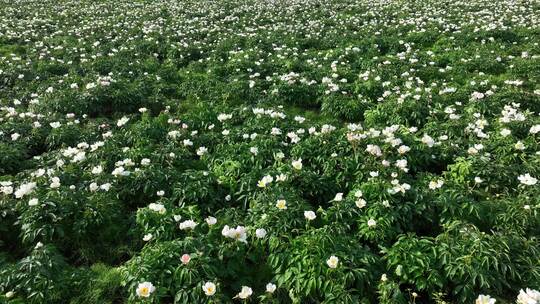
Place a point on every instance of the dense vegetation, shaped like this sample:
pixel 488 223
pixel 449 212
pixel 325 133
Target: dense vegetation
pixel 272 151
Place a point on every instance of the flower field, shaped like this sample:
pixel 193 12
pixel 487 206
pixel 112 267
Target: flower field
pixel 270 151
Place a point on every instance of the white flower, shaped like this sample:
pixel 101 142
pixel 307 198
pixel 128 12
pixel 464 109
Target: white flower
pixel 402 164
pixel 55 125
pixel 33 202
pixel 360 203
pixel 371 223
pixel 202 151
pixel 147 237
pixel 105 187
pixel 403 149
pixel 505 132
pixel 338 197
pixel 528 296
pixel 25 189
pixel 6 190
pixel 436 184
pixel 211 220
pixel 299 119
pixel 267 179
pixel 519 146
pixel 189 224
pixel 145 289
pixel 145 161
pixel 472 151
pixel 122 121
pixel 245 292
pixel 281 204
pixel 374 150
pixel 534 129
pixel 238 233
pixel 281 177
pixel 260 233
pixel 55 182
pixel 332 262
pixel 254 150
pixel 209 288
pixel 310 215
pixel 97 169
pixel 297 164
pixel 9 294
pixel 159 208
pixel 428 140
pixel 270 287
pixel 222 117
pixel 482 299
pixel 15 136
pixel 527 179
pixel 143 110
pixel 478 180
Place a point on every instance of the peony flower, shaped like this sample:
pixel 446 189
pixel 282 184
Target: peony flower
pixel 33 202
pixel 534 129
pixel 310 215
pixel 297 164
pixel 332 262
pixel 159 208
pixel 270 287
pixel 426 139
pixel 145 289
pixel 202 151
pixel 211 220
pixel 122 121
pixel 527 179
pixel 436 184
pixel 185 258
pixel 238 233
pixel 371 223
pixel 209 288
pixel 245 292
pixel 482 299
pixel 360 203
pixel 147 237
pixel 189 224
pixel 528 296
pixel 267 179
pixel 97 170
pixel 281 204
pixel 260 233
pixel 25 189
pixel 338 197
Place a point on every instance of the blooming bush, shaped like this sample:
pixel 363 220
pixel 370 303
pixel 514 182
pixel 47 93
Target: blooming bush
pixel 270 151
